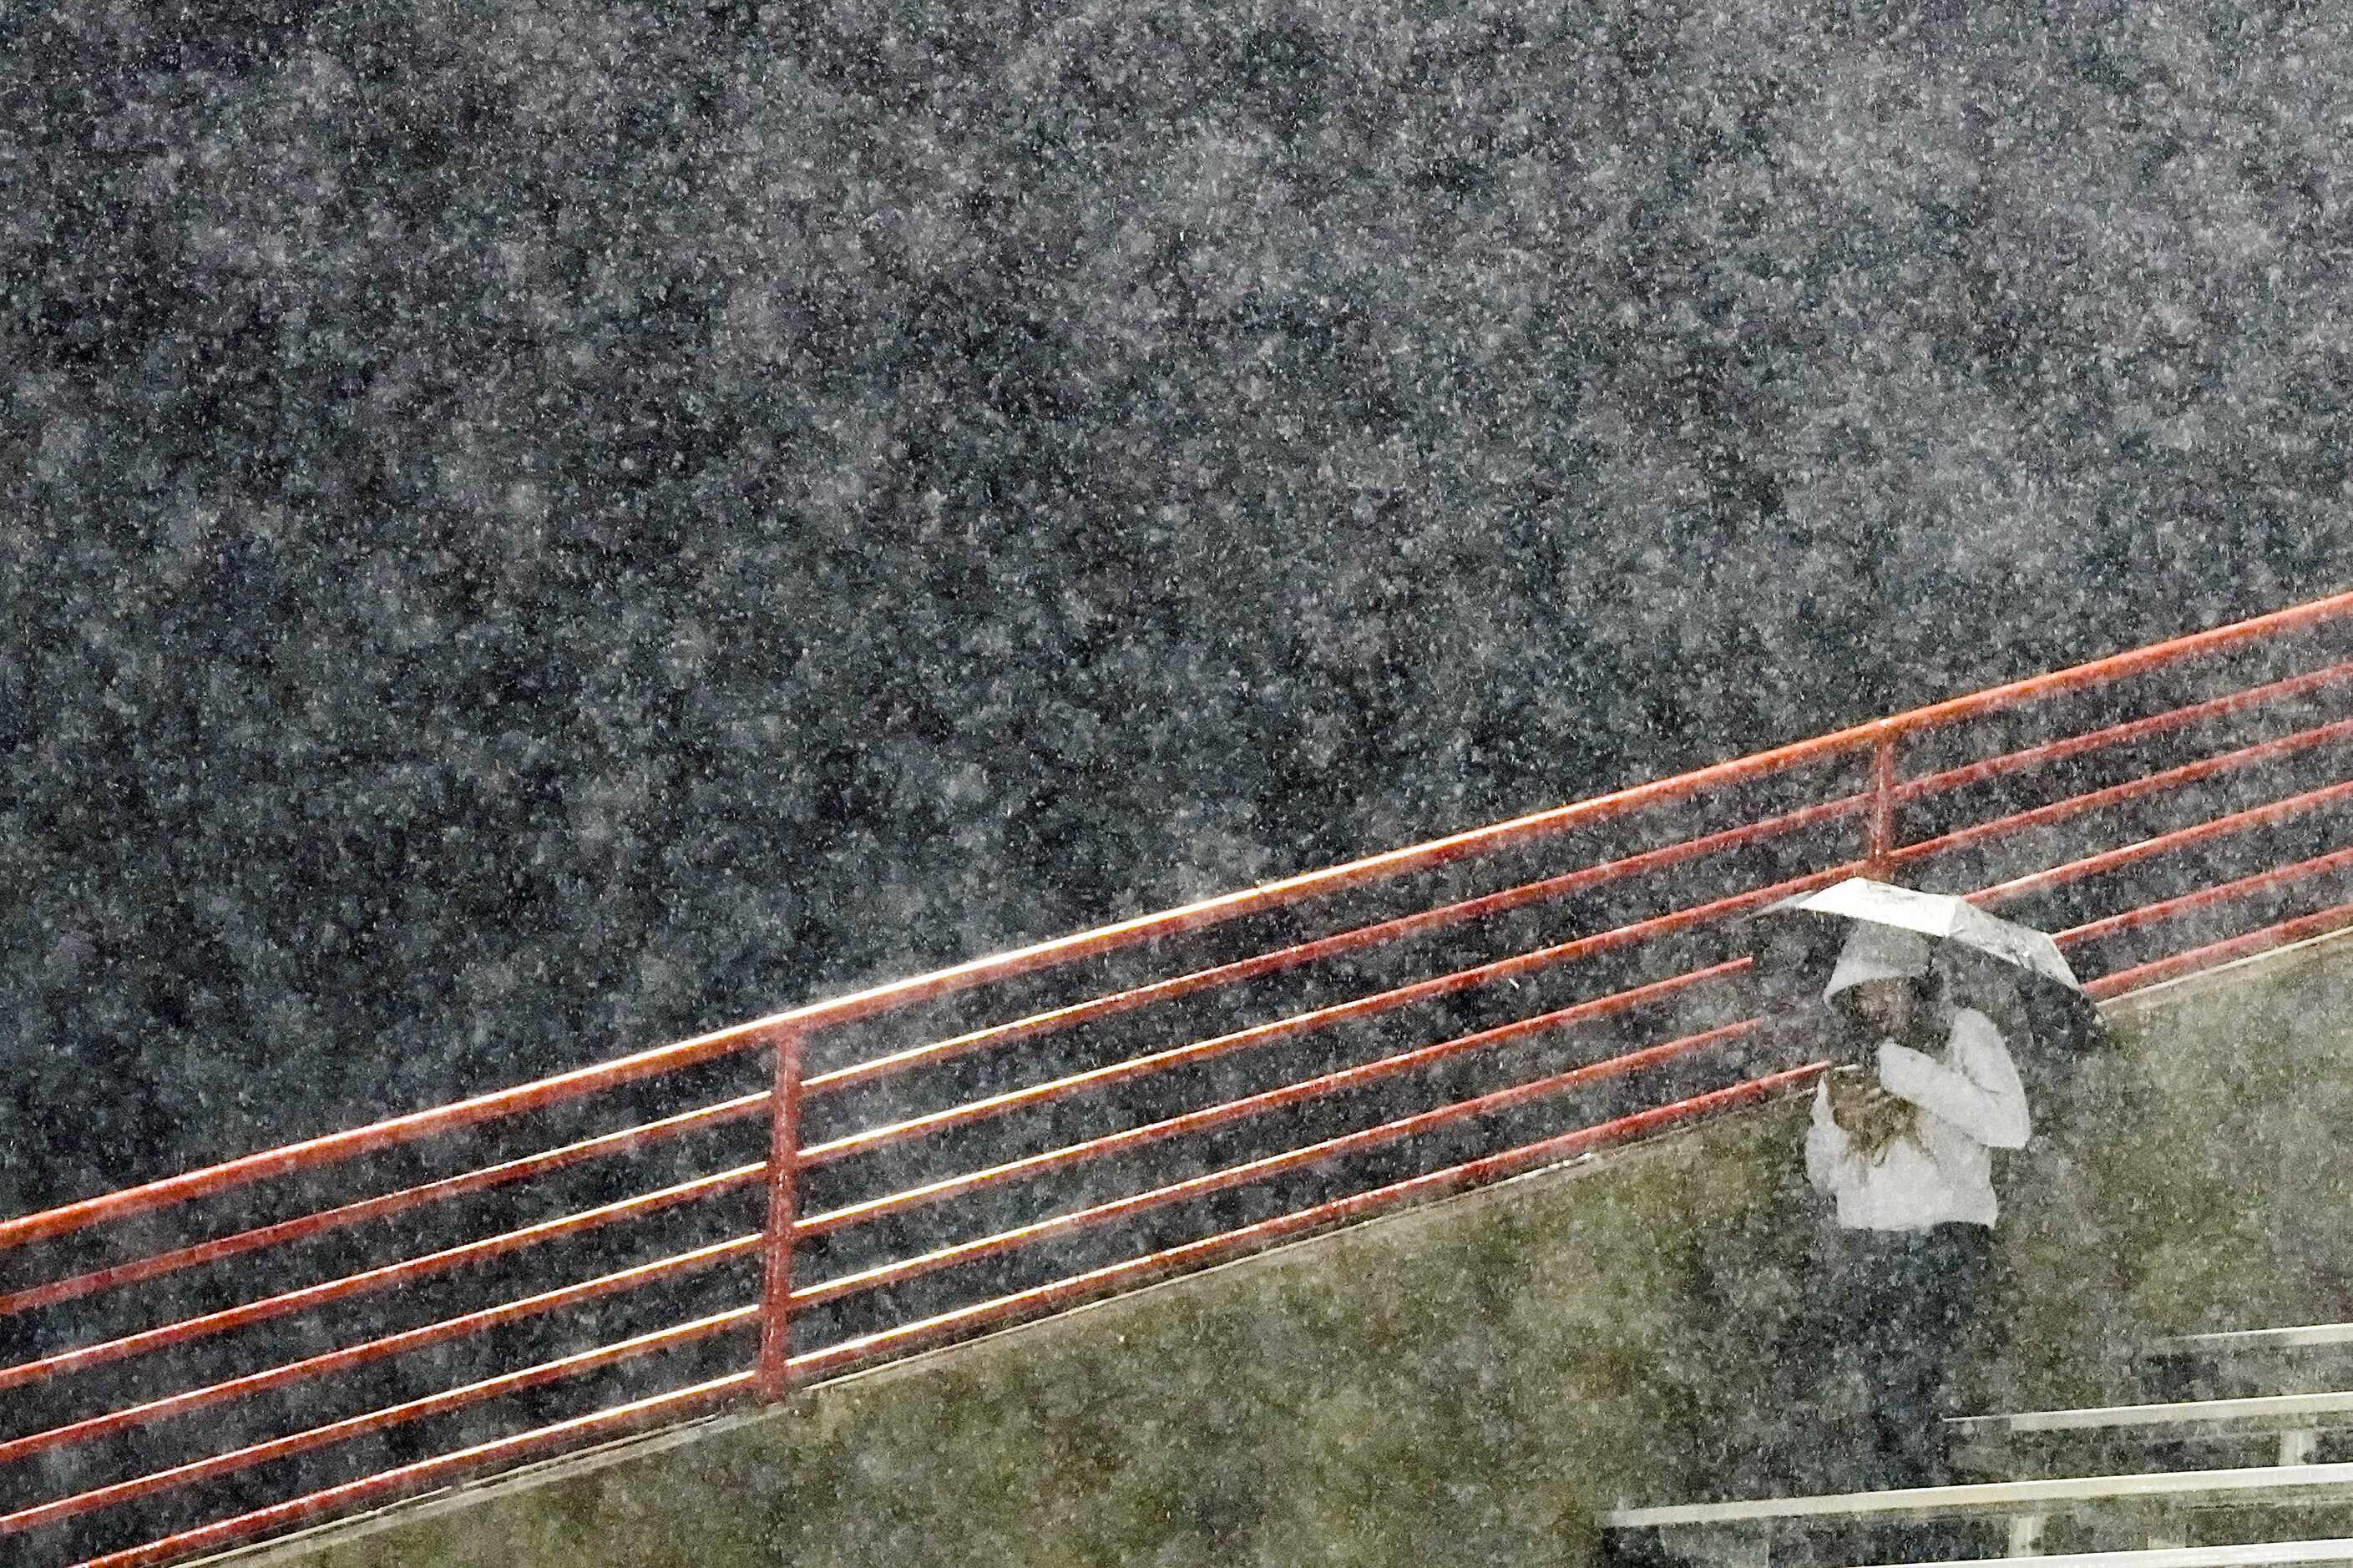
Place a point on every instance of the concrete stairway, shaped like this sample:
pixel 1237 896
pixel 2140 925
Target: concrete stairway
pixel 2187 1498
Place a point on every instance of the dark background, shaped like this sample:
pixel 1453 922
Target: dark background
pixel 531 530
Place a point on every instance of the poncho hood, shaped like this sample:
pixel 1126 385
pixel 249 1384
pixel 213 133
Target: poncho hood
pixel 1878 952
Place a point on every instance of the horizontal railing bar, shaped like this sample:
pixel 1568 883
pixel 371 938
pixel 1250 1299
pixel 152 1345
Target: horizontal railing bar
pixel 2117 734
pixel 1367 1006
pixel 2173 965
pixel 2165 843
pixel 620 1418
pixel 2220 893
pixel 2115 667
pixel 1037 955
pixel 394 1131
pixel 619 1141
pixel 1259 1169
pixel 1282 1095
pixel 62 1363
pixel 887 1342
pixel 649 1344
pixel 169 1406
pixel 2132 789
pixel 1338 942
pixel 1441 851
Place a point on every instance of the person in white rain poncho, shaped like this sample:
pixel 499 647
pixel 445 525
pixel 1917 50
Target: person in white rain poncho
pixel 1903 1130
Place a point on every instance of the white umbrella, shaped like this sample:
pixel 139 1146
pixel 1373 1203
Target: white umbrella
pixel 2057 1014
pixel 1939 915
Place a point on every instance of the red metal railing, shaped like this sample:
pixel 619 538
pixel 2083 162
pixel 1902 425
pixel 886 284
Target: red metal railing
pixel 1296 1056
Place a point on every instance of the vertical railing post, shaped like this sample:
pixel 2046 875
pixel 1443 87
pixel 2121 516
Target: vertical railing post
pixel 773 1380
pixel 1881 829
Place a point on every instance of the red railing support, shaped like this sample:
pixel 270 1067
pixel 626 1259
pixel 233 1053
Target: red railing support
pixel 1882 804
pixel 772 1379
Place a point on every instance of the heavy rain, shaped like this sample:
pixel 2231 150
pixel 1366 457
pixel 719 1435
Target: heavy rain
pixel 533 531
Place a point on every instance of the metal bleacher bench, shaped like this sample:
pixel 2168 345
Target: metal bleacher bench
pixel 2243 1360
pixel 2303 1337
pixel 2151 1505
pixel 2269 1554
pixel 2297 1418
pixel 1740 1534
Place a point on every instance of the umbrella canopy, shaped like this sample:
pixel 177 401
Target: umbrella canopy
pixel 1939 915
pixel 1975 947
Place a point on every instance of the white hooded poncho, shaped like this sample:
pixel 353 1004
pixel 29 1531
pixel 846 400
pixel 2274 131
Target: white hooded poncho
pixel 1970 1099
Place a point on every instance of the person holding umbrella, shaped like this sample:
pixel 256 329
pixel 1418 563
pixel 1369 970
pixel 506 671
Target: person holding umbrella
pixel 1919 1095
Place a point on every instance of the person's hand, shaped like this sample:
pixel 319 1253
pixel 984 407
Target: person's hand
pixel 1855 1093
pixel 1869 1113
